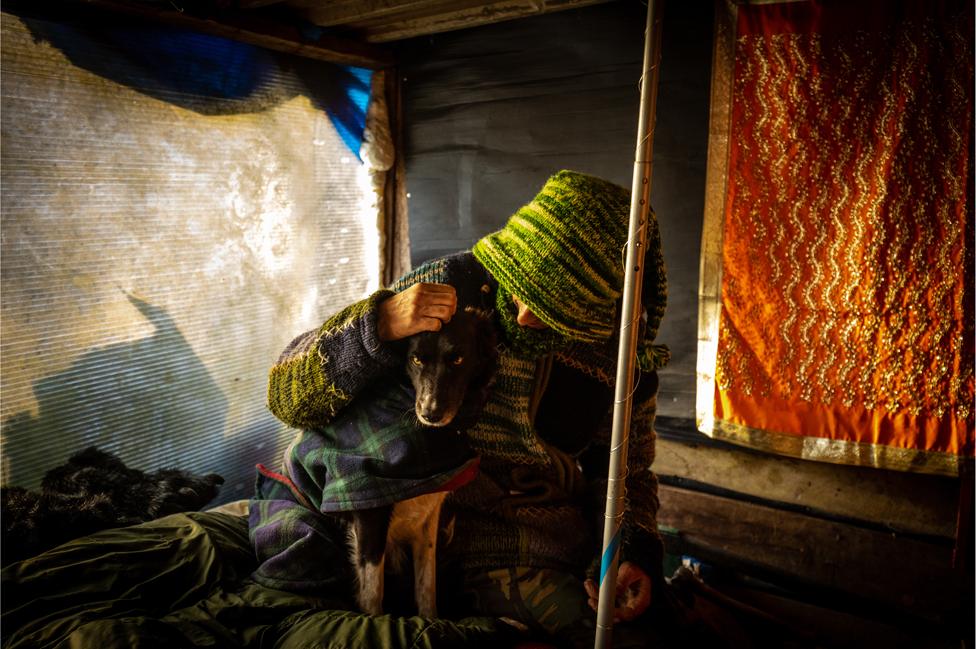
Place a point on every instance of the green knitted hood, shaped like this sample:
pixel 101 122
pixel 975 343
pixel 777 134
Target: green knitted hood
pixel 562 254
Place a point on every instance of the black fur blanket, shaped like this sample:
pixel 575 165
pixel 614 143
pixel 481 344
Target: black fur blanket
pixel 93 491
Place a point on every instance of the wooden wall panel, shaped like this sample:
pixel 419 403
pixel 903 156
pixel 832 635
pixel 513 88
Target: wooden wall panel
pixel 902 573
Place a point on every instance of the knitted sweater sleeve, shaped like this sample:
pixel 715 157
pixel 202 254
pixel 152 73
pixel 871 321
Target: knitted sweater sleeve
pixel 323 369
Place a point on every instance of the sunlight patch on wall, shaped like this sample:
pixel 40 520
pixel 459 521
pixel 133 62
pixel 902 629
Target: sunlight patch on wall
pixel 156 262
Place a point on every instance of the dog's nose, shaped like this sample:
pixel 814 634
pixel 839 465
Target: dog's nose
pixel 431 413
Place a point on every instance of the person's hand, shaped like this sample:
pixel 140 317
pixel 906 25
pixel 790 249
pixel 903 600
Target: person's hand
pixel 633 594
pixel 422 307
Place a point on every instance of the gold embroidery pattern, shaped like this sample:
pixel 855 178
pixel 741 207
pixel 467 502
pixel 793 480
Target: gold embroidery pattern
pixel 845 227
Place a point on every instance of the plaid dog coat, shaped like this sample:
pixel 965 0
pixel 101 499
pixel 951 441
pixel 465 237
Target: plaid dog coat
pixel 375 453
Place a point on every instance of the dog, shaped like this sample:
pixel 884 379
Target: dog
pixel 451 371
pixel 94 490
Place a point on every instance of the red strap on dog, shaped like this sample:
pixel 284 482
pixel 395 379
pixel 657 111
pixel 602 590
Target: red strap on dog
pixel 462 478
pixel 285 480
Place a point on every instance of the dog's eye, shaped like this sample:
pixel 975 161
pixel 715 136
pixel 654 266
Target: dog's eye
pixel 457 360
pixel 416 361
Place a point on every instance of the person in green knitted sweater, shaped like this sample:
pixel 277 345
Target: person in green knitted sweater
pixel 527 529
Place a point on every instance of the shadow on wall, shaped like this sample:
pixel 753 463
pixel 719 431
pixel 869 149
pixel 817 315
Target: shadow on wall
pixel 208 74
pixel 151 401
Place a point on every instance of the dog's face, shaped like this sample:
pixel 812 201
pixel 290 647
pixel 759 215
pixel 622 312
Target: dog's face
pixel 450 365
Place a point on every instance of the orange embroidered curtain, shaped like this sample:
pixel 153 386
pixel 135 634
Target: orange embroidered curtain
pixel 837 264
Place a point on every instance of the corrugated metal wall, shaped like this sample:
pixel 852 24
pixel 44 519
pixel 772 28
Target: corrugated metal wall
pixel 156 258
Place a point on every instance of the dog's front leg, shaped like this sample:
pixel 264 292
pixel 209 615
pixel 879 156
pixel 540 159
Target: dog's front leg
pixel 425 559
pixel 368 540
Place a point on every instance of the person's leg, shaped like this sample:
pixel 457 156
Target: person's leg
pixel 102 590
pixel 552 604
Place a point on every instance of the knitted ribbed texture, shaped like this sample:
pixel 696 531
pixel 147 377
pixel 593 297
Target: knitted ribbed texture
pixel 561 254
pixel 307 386
pixel 497 526
pixel 504 434
pixel 492 528
pixel 517 510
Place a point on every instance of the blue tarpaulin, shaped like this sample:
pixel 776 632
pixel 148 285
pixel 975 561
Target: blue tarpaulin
pixel 213 75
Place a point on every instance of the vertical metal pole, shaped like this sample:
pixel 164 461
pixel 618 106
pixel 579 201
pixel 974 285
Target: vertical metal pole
pixel 640 203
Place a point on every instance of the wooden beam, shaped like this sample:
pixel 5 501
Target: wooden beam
pixel 901 573
pixel 254 29
pixel 341 12
pixel 904 502
pixel 481 13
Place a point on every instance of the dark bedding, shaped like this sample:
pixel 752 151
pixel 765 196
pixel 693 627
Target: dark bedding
pixel 184 581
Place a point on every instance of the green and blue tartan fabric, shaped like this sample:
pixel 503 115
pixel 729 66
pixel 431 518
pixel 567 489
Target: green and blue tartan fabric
pixel 517 510
pixel 374 454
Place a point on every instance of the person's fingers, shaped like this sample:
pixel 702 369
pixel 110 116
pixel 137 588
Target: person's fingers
pixel 427 293
pixel 633 592
pixel 430 301
pixel 432 287
pixel 593 593
pixel 439 311
pixel 627 612
pixel 421 307
pixel 429 324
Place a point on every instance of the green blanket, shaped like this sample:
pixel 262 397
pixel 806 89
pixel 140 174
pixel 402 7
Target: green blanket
pixel 183 581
